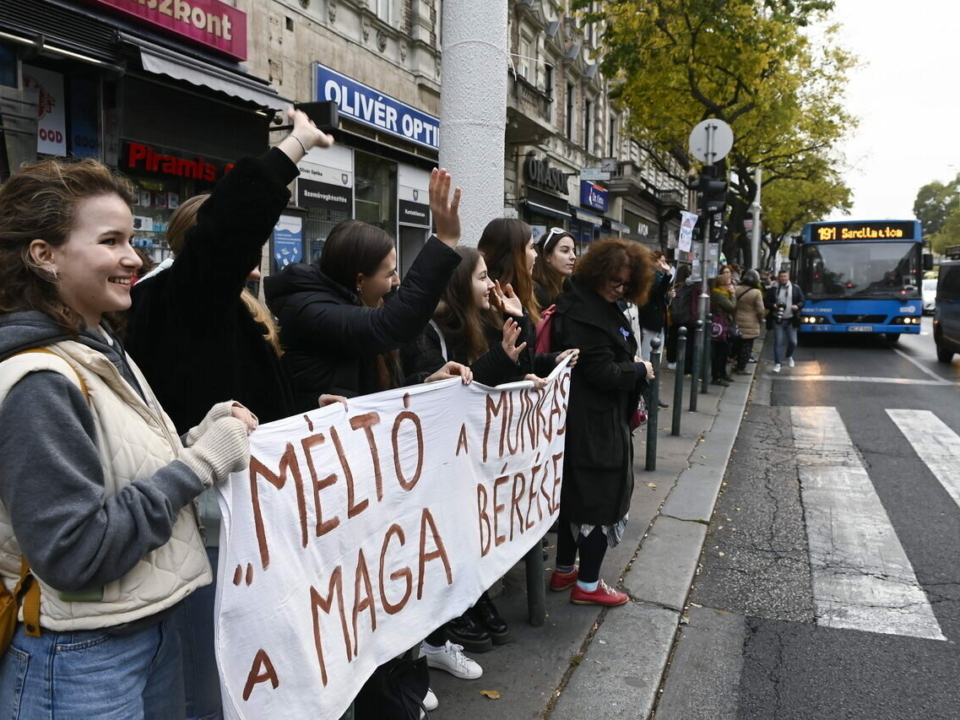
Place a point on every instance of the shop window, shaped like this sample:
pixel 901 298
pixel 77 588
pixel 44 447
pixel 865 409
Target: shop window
pixel 156 200
pixel 8 66
pixel 375 180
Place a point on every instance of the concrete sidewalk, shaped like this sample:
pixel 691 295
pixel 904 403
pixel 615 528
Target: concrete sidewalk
pixel 588 662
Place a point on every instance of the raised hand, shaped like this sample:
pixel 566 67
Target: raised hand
pixel 306 131
pixel 511 331
pixel 446 212
pixel 507 300
pixel 325 400
pixel 450 370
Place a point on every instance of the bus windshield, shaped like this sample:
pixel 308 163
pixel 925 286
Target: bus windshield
pixel 862 270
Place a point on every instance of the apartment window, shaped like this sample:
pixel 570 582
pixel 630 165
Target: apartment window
pixel 571 103
pixel 385 10
pixel 612 137
pixel 548 80
pixel 526 63
pixel 587 125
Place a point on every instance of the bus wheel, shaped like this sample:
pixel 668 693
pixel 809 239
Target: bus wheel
pixel 893 337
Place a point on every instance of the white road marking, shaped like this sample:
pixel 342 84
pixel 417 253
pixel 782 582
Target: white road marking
pixel 857 378
pixel 920 365
pixel 936 444
pixel 862 578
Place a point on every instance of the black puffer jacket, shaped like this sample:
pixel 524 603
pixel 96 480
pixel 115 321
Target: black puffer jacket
pixel 605 387
pixel 331 341
pixel 189 330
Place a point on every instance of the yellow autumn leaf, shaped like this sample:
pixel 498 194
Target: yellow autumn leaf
pixel 492 694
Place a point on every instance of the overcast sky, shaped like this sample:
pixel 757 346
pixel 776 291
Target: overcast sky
pixel 907 96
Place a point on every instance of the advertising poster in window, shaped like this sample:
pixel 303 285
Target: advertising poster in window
pixel 52 130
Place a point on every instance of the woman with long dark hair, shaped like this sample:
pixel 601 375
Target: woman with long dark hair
pixel 556 258
pixel 338 335
pixel 605 387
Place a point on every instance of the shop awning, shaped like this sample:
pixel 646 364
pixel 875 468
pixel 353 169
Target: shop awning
pixel 159 60
pixel 586 217
pixel 545 210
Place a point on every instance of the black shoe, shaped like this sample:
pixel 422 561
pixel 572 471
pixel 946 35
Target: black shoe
pixel 721 382
pixel 662 404
pixel 465 631
pixel 485 614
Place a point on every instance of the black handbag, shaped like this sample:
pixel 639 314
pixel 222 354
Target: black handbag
pixel 395 691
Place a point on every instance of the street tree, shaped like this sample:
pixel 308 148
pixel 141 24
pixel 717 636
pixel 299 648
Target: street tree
pixel 751 64
pixel 934 204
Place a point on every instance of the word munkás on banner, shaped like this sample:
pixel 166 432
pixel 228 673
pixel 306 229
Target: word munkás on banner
pixel 356 532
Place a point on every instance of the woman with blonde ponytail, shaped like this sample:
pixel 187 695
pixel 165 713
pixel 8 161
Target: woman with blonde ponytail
pixel 201 337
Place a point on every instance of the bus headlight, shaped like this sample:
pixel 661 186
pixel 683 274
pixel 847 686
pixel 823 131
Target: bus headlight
pixel 813 320
pixel 906 321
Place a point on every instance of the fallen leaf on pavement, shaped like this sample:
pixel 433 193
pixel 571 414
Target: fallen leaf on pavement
pixel 492 694
pixel 720 554
pixel 652 485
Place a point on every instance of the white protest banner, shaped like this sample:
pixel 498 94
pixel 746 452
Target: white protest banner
pixel 687 222
pixel 356 532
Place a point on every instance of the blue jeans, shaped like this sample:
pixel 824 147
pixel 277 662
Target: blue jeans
pixel 194 623
pixel 91 674
pixel 783 332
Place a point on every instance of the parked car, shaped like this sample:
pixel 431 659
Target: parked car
pixel 946 314
pixel 929 291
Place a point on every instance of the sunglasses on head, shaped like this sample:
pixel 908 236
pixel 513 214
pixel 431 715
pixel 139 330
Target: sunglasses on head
pixel 545 240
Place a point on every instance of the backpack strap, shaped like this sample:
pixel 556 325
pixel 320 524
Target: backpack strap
pixel 443 340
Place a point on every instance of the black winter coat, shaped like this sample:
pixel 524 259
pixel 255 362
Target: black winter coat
pixel 653 315
pixel 770 302
pixel 331 341
pixel 494 367
pixel 605 387
pixel 188 329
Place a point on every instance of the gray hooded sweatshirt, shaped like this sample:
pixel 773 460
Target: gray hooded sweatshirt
pixel 51 478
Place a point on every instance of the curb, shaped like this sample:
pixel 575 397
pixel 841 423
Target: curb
pixel 624 662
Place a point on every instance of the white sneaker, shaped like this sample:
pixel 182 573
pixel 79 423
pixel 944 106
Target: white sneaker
pixel 776 367
pixel 430 701
pixel 452 660
pixel 790 362
pixel 671 366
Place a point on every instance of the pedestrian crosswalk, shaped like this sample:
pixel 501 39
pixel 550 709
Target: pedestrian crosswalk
pixel 862 577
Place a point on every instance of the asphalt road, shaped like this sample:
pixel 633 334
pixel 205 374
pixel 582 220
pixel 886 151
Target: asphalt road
pixel 830 580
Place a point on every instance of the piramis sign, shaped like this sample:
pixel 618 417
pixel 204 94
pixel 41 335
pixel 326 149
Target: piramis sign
pixel 356 532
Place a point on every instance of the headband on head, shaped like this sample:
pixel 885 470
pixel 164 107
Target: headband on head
pixel 551 238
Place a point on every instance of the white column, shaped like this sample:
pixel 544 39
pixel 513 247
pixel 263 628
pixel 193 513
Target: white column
pixel 473 107
pixel 755 208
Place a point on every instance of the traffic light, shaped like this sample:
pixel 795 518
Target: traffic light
pixel 713 193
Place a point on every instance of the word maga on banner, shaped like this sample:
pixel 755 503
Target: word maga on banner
pixel 356 532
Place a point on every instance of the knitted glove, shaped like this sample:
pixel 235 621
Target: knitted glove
pixel 220 410
pixel 222 449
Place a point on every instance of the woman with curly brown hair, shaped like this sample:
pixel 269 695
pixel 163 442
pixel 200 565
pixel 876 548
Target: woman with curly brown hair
pixel 605 388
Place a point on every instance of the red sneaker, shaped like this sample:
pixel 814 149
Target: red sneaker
pixel 603 595
pixel 561 581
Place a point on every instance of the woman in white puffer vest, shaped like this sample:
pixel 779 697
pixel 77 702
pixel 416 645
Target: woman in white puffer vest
pixel 96 489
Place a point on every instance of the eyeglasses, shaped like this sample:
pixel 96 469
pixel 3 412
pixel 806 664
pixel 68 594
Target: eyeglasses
pixel 545 239
pixel 617 283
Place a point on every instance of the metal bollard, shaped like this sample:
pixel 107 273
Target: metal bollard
pixel 695 365
pixel 536 593
pixel 653 412
pixel 707 355
pixel 678 380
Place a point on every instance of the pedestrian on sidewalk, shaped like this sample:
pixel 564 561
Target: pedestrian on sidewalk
pixel 723 305
pixel 653 313
pixel 784 301
pixel 96 487
pixel 605 388
pixel 678 314
pixel 556 258
pixel 749 317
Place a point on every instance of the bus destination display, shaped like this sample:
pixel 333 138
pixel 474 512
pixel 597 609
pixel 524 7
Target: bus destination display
pixel 863 231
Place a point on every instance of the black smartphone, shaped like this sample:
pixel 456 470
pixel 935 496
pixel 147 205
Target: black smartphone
pixel 325 114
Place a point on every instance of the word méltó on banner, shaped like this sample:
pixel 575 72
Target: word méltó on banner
pixel 356 532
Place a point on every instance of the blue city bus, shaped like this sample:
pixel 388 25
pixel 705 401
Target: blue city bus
pixel 861 276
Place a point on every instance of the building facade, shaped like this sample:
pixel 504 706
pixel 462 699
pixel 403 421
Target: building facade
pixel 173 98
